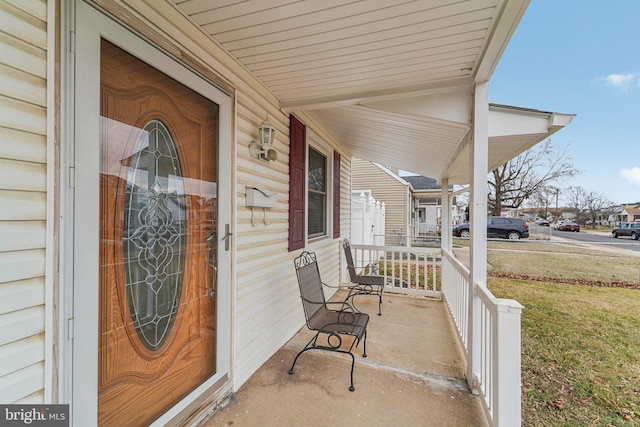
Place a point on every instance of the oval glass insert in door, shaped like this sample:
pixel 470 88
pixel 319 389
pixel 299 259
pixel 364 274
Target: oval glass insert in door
pixel 154 235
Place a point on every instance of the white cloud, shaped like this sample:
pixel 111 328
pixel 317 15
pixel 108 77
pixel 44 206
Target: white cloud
pixel 622 81
pixel 632 174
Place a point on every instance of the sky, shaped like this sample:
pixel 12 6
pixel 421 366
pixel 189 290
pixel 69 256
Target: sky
pixel 582 57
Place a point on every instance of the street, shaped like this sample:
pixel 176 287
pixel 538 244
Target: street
pixel 599 238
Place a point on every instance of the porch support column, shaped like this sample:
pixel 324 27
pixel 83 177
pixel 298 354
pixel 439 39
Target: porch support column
pixel 445 216
pixel 479 162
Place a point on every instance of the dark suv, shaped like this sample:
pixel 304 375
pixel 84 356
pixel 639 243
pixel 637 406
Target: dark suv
pixel 498 226
pixel 631 229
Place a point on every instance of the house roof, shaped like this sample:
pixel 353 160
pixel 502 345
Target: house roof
pixel 391 82
pixel 419 182
pixel 632 209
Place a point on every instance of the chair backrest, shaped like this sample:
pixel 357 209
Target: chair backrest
pixel 310 284
pixel 347 254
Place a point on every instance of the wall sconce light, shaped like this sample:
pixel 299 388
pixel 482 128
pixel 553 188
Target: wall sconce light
pixel 261 149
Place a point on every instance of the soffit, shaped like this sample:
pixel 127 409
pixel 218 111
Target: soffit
pixel 307 51
pixel 364 70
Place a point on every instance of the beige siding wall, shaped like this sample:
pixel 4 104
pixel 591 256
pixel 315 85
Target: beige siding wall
pixel 385 188
pixel 266 294
pixel 23 185
pixel 268 310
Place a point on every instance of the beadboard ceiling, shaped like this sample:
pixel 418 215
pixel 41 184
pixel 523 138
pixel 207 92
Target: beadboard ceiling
pixel 390 80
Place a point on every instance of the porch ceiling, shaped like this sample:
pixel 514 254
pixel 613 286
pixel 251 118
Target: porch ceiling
pixel 390 81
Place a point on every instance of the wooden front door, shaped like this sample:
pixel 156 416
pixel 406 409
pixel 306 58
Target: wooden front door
pixel 158 233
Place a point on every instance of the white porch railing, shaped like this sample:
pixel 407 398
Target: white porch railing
pixel 499 376
pixel 455 287
pixel 414 271
pixel 437 272
pixel 498 373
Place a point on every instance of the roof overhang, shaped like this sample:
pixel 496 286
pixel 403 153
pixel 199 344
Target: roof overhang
pixel 390 82
pixel 512 131
pixel 435 147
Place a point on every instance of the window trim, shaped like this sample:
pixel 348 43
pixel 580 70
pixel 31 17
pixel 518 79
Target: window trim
pixel 315 142
pixel 313 191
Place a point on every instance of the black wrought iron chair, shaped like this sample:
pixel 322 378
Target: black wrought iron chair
pixel 332 326
pixel 362 284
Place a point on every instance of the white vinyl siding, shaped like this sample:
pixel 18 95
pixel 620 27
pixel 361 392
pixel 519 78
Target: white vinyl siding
pixel 23 199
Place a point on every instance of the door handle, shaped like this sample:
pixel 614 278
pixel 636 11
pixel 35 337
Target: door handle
pixel 227 237
pixel 212 262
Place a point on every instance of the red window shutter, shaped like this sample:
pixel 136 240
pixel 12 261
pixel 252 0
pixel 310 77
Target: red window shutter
pixel 297 150
pixel 336 195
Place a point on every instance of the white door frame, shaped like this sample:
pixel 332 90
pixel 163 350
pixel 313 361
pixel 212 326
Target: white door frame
pixel 80 156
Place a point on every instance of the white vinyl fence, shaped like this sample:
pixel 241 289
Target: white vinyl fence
pixel 367 221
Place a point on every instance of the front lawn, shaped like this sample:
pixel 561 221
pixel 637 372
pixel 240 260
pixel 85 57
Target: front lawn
pixel 580 343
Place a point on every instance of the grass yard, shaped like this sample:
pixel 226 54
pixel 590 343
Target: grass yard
pixel 580 344
pixel 563 262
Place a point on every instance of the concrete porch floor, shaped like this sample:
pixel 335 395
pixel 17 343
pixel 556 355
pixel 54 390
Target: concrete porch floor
pixel 413 376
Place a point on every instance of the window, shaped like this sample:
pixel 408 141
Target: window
pixel 317 194
pixel 314 187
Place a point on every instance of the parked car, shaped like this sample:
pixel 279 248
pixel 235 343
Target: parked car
pixel 569 226
pixel 542 222
pixel 558 224
pixel 630 229
pixel 497 226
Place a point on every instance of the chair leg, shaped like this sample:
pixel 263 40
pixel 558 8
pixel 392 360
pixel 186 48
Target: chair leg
pixel 310 345
pixel 353 359
pixel 380 305
pixel 364 345
pixel 353 362
pixel 295 360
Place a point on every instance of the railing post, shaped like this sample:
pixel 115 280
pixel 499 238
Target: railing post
pixel 474 335
pixel 507 364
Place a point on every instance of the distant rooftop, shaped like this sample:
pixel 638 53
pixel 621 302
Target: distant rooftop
pixel 419 182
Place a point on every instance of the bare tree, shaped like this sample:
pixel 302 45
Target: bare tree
pixel 546 200
pixel 523 176
pixel 577 202
pixel 588 205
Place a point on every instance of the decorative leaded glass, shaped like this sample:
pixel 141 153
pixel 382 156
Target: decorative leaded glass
pixel 154 235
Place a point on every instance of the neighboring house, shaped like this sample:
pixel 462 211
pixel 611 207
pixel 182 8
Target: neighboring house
pixel 147 239
pixel 631 212
pixel 385 186
pixel 413 204
pixel 427 204
pixel 615 217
